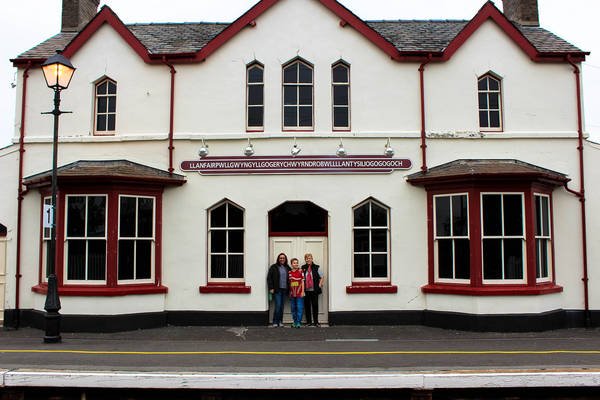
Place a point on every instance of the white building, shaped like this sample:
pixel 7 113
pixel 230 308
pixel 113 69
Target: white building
pixel 439 178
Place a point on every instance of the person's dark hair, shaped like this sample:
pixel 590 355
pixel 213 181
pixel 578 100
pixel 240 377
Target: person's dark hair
pixel 279 255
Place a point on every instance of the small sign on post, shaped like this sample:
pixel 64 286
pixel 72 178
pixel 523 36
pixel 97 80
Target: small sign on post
pixel 48 213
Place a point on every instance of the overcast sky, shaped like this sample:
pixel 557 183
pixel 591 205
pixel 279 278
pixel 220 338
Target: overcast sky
pixel 23 24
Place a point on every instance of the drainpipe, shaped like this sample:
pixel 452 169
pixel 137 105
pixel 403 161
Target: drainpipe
pixel 171 113
pixel 21 193
pixel 423 138
pixel 581 193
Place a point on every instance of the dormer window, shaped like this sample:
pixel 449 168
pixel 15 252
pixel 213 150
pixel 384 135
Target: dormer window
pixel 106 107
pixel 490 103
pixel 298 95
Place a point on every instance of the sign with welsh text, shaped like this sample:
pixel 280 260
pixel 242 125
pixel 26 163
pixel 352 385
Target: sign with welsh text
pixel 296 165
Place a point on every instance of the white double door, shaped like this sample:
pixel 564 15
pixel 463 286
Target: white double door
pixel 296 247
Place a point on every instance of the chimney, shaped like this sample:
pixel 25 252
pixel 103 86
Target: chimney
pixel 522 12
pixel 77 13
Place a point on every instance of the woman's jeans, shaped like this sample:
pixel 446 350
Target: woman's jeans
pixel 279 297
pixel 297 305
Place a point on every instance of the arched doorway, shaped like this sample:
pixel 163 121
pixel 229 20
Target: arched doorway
pixel 297 228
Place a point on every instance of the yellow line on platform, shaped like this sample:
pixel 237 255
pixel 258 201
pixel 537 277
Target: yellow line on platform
pixel 304 353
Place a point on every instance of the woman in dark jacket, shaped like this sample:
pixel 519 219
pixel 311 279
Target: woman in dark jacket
pixel 277 282
pixel 313 284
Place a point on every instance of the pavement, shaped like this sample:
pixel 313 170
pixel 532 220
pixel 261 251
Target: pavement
pixel 336 357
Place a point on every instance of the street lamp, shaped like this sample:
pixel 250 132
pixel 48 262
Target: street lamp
pixel 58 72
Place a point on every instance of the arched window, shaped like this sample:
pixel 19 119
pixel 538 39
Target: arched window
pixel 371 241
pixel 490 103
pixel 226 242
pixel 105 107
pixel 340 94
pixel 255 102
pixel 297 95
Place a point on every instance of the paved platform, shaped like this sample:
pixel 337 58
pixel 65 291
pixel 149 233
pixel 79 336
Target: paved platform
pixel 338 357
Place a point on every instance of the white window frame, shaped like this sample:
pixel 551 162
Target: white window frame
pixel 503 237
pixel 370 227
pixel 489 92
pixel 297 85
pixel 249 84
pixel 135 239
pixel 452 237
pixel 545 236
pixel 87 239
pixel 105 132
pixel 335 84
pixel 227 253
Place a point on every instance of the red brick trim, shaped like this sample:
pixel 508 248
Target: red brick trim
pixel 225 288
pixel 383 287
pixel 495 290
pixel 84 290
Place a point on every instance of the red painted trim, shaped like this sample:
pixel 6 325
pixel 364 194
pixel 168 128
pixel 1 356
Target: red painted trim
pixel 20 191
pixel 225 288
pixel 489 290
pixel 371 288
pixel 103 291
pixel 106 16
pixel 530 249
pixel 171 113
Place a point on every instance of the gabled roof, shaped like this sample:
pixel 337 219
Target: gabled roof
pixel 107 171
pixel 401 40
pixel 465 170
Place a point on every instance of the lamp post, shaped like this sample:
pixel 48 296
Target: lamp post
pixel 58 72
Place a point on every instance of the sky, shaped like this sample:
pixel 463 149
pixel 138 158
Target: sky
pixel 24 24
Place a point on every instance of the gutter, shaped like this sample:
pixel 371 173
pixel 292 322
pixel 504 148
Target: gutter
pixel 423 132
pixel 171 112
pixel 581 193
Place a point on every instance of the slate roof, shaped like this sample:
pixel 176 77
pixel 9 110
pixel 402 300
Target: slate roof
pixel 106 170
pixel 405 35
pixel 477 169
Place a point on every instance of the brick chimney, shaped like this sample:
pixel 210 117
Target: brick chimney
pixel 77 13
pixel 522 12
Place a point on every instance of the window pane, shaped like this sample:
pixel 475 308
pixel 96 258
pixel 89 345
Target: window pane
pixel 460 218
pixel 483 119
pixel 101 89
pixel 340 74
pixel 127 216
pixel 290 116
pixel 236 241
pixel 255 116
pixel 513 215
pixel 494 101
pixel 462 259
pixel 542 258
pixel 305 73
pixel 290 95
pixel 379 266
pixel 112 88
pixel 76 259
pixel 361 215
pixel 218 242
pixel 545 208
pixel 143 259
pixel 378 215
pixel 96 216
pixel 101 123
pixel 97 259
pixel 236 266
pixel 513 259
pixel 112 104
pixel 255 95
pixel 126 257
pixel 492 259
pixel 482 85
pixel 255 75
pixel 483 101
pixel 445 258
pixel 361 240
pixel 361 266
pixel 492 215
pixel 340 95
pixel 102 105
pixel 217 216
pixel 379 240
pixel 145 217
pixel 494 84
pixel 298 217
pixel 442 216
pixel 290 73
pixel 76 216
pixel 236 217
pixel 305 116
pixel 110 122
pixel 305 95
pixel 494 119
pixel 340 117
pixel 218 266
